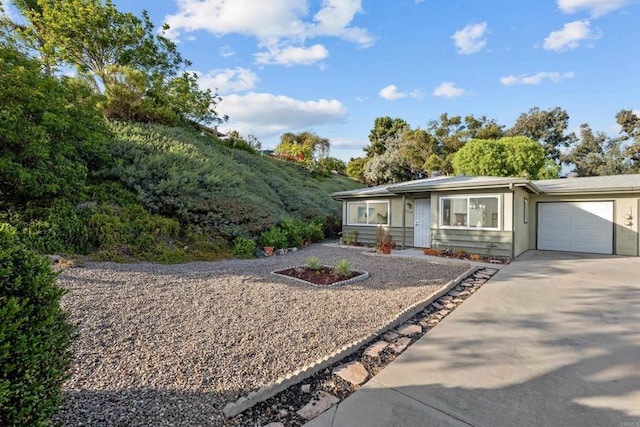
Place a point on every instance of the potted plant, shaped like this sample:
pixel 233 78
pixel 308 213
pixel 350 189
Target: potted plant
pixel 384 240
pixel 273 238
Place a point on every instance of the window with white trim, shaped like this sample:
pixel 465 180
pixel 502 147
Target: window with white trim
pixel 368 213
pixel 472 212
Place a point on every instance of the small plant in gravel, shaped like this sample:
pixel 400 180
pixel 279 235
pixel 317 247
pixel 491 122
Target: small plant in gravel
pixel 313 263
pixel 244 248
pixel 343 268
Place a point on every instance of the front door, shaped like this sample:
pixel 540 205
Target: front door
pixel 422 225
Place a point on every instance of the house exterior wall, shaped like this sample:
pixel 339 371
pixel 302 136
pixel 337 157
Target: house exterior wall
pixel 625 236
pixel 497 242
pixel 367 233
pixel 520 228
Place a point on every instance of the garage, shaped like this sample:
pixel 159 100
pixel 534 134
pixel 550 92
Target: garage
pixel 576 227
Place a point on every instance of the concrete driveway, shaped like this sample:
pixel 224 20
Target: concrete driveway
pixel 552 340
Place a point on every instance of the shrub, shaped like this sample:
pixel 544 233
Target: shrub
pixel 274 237
pixel 34 349
pixel 244 248
pixel 295 230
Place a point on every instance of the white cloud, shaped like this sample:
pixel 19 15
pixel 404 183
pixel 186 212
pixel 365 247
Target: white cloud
pixel 280 26
pixel 449 90
pixel 347 144
pixel 228 80
pixel 594 7
pixel 569 37
pixel 293 55
pixel 266 115
pixel 537 78
pixel 391 93
pixel 470 39
pixel 226 52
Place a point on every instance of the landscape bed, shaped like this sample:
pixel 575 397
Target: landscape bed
pixel 173 344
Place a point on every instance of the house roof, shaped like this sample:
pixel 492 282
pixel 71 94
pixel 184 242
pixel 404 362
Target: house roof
pixel 563 186
pixel 591 185
pixel 441 183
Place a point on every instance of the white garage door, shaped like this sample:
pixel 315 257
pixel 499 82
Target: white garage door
pixel 576 227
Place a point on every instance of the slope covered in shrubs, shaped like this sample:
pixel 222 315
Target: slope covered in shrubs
pixel 187 175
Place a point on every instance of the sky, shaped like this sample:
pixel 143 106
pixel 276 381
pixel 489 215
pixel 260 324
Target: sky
pixel 333 66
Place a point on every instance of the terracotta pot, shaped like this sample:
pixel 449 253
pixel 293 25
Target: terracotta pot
pixel 268 250
pixel 386 249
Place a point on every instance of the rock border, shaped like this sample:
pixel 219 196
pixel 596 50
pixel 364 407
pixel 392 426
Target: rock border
pixel 364 275
pixel 233 409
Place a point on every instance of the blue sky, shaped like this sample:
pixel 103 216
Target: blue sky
pixel 333 66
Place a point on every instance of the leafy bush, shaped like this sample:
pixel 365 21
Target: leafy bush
pixel 275 237
pixel 296 231
pixel 52 132
pixel 34 349
pixel 244 248
pixel 331 226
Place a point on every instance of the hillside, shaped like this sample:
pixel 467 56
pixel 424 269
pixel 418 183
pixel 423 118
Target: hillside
pixel 174 194
pixel 184 174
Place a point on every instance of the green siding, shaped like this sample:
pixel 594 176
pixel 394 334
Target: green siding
pixel 473 241
pixel 368 234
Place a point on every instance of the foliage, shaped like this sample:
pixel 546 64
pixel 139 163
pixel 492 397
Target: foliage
pixel 52 134
pixel 307 147
pixel 547 127
pixel 274 237
pixel 383 237
pixel 510 156
pixel 234 140
pixel 331 226
pixel 356 168
pixel 244 248
pixel 388 167
pixel 328 165
pixel 629 122
pixel 597 154
pixel 140 72
pixel 384 130
pixel 344 267
pixel 313 262
pixel 178 173
pixel 35 353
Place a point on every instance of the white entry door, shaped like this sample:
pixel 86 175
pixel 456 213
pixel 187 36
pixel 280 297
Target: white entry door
pixel 422 225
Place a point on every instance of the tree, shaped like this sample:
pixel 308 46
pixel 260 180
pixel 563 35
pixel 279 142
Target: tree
pixel 388 167
pixel 596 154
pixel 509 156
pixel 416 147
pixel 356 168
pixel 452 133
pixel 629 121
pixel 120 55
pixel 547 127
pixel 52 133
pixel 384 130
pixel 306 146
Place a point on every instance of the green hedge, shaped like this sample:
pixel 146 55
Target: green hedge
pixel 35 336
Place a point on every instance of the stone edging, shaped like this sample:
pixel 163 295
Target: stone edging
pixel 364 275
pixel 263 393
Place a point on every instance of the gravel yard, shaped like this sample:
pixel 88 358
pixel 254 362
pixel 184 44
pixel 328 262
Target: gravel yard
pixel 172 344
